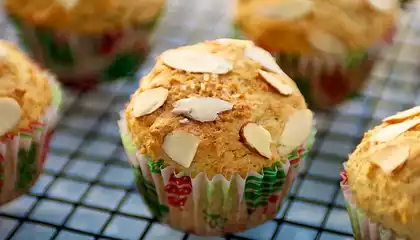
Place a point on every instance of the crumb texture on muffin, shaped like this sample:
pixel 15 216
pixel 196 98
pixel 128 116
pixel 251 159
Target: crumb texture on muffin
pixel 213 92
pixel 383 173
pixel 25 83
pixel 315 26
pixel 86 16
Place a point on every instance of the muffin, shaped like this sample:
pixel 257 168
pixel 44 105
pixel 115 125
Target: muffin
pixel 328 47
pixel 215 134
pixel 29 103
pixel 86 42
pixel 380 180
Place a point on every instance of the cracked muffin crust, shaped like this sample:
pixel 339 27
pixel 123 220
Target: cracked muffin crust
pixel 311 27
pixel 383 173
pixel 224 96
pixel 85 17
pixel 23 81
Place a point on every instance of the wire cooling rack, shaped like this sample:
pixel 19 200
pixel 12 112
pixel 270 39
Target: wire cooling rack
pixel 87 189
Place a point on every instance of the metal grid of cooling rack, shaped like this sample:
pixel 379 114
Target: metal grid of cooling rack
pixel 87 190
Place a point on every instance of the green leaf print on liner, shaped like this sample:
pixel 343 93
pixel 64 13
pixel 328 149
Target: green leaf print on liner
pixel 305 88
pixel 149 195
pixel 57 53
pixel 128 143
pixel 26 166
pixel 155 167
pixel 258 190
pixel 236 32
pixel 353 59
pixel 17 23
pixel 124 65
pixel 57 95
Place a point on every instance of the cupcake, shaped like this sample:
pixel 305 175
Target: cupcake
pixel 380 180
pixel 215 134
pixel 327 47
pixel 29 103
pixel 86 42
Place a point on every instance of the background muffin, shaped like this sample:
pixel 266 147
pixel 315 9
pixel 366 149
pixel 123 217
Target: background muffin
pixel 215 133
pixel 328 47
pixel 84 42
pixel 380 183
pixel 29 100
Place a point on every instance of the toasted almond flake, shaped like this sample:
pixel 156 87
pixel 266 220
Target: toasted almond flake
pixel 3 52
pixel 149 101
pixel 202 109
pixel 326 42
pixel 288 10
pixel 68 4
pixel 297 129
pixel 390 157
pixel 263 57
pixel 401 116
pixel 196 61
pixel 383 5
pixel 10 115
pixel 392 131
pixel 256 138
pixel 181 147
pixel 184 120
pixel 276 82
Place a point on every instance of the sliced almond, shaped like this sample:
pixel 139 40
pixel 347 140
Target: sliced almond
pixel 149 101
pixel 256 138
pixel 68 4
pixel 263 57
pixel 181 147
pixel 392 131
pixel 4 52
pixel 403 115
pixel 383 5
pixel 326 42
pixel 10 115
pixel 196 61
pixel 203 109
pixel 391 157
pixel 288 10
pixel 276 82
pixel 297 129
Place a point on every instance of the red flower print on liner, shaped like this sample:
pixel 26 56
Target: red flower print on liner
pixel 335 85
pixel 178 190
pixel 46 147
pixel 344 179
pixel 109 41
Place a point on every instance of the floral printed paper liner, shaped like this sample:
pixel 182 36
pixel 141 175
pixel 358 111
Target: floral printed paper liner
pixel 217 205
pixel 326 84
pixel 330 80
pixel 91 59
pixel 363 227
pixel 30 147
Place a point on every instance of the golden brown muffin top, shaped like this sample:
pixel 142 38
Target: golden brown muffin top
pixel 86 16
pixel 203 103
pixel 24 89
pixel 316 26
pixel 383 173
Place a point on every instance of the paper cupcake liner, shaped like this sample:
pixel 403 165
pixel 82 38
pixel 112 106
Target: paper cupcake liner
pixel 23 153
pixel 202 206
pixel 326 81
pixel 83 61
pixel 363 227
